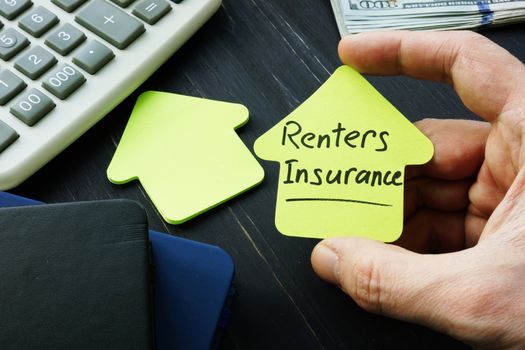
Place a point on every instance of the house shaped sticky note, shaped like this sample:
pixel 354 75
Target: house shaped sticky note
pixel 186 154
pixel 342 156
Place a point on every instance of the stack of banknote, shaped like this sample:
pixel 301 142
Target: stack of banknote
pixel 355 16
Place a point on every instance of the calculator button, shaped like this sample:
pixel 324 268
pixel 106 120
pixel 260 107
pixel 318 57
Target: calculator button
pixel 38 21
pixel 12 8
pixel 32 106
pixel 10 86
pixel 65 39
pixel 93 56
pixel 35 62
pixel 11 42
pixel 122 3
pixel 7 136
pixel 68 5
pixel 110 23
pixel 63 81
pixel 150 11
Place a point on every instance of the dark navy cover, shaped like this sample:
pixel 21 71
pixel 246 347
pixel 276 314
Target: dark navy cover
pixel 192 281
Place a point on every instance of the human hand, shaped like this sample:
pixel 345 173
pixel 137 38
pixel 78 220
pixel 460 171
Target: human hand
pixel 467 203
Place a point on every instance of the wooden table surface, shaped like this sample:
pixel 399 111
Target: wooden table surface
pixel 269 55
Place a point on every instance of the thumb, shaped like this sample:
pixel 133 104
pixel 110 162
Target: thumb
pixel 390 280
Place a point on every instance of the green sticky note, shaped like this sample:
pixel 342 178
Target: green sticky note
pixel 342 157
pixel 185 153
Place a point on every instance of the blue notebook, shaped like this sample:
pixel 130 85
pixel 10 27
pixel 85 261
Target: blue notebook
pixel 192 286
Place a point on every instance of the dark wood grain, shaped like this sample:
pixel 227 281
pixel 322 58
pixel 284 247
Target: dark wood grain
pixel 269 55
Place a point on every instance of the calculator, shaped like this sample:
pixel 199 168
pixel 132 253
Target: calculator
pixel 64 64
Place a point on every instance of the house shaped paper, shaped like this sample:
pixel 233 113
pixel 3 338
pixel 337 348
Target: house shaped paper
pixel 186 154
pixel 342 157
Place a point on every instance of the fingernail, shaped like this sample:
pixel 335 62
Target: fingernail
pixel 326 262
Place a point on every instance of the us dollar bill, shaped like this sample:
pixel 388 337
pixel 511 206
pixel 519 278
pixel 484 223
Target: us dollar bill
pixel 355 16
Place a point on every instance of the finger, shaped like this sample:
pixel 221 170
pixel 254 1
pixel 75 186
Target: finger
pixel 432 231
pixel 486 194
pixel 436 194
pixel 509 214
pixel 459 148
pixel 468 61
pixel 390 280
pixel 474 226
pixel 491 207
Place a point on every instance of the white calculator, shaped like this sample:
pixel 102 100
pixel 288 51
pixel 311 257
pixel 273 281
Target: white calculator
pixel 64 64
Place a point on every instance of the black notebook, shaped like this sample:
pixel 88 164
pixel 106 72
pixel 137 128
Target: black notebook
pixel 75 276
